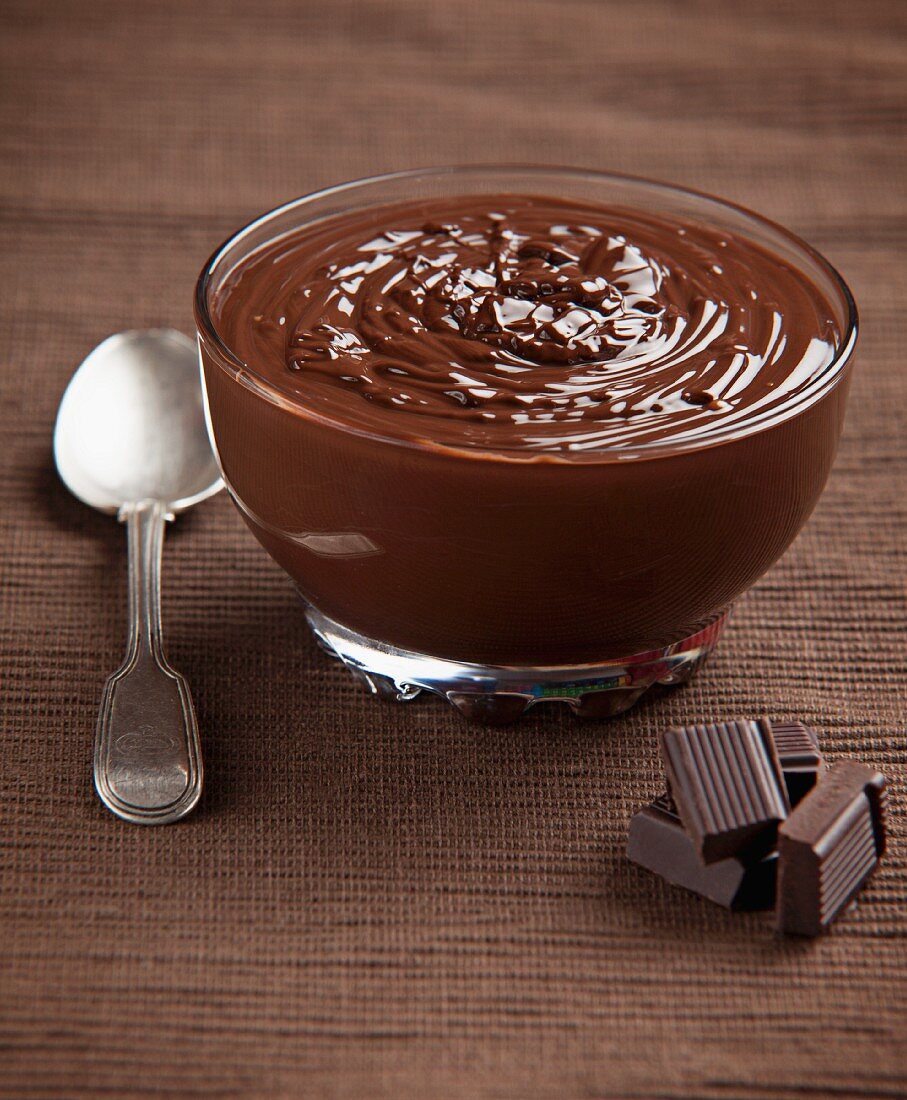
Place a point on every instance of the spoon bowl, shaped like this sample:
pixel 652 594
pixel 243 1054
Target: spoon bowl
pixel 131 425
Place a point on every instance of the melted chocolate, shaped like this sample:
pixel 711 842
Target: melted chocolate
pixel 549 452
pixel 512 322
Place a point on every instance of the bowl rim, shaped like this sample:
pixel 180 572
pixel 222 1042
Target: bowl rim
pixel 800 403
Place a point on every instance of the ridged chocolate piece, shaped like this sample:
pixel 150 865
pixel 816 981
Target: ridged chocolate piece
pixel 727 783
pixel 659 843
pixel 798 752
pixel 829 846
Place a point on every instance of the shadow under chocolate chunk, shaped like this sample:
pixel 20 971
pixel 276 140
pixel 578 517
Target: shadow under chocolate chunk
pixel 658 842
pixel 829 846
pixel 727 783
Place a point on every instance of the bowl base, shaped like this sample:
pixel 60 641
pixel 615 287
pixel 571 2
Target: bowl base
pixel 498 694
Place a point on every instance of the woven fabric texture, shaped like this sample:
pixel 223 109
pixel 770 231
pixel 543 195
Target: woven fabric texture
pixel 383 901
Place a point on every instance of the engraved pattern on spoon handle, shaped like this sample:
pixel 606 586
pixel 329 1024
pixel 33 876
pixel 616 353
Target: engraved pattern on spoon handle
pixel 147 762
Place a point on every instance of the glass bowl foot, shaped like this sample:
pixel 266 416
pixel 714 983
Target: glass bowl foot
pixel 499 694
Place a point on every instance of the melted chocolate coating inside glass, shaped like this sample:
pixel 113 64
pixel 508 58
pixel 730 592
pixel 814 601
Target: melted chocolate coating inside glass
pixel 505 322
pixel 507 429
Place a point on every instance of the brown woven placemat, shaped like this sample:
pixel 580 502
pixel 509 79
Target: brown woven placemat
pixel 378 901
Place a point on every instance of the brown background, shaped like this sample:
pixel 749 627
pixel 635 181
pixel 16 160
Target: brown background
pixel 386 902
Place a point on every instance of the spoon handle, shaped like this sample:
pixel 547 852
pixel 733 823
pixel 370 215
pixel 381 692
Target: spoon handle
pixel 147 760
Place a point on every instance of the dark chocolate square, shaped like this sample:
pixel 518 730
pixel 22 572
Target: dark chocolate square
pixel 658 842
pixel 798 753
pixel 829 846
pixel 727 782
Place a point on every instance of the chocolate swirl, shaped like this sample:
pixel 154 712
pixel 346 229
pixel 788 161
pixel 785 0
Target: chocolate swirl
pixel 513 322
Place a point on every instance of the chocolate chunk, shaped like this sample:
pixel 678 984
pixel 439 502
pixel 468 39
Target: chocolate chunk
pixel 659 843
pixel 697 397
pixel 829 846
pixel 726 780
pixel 543 251
pixel 798 752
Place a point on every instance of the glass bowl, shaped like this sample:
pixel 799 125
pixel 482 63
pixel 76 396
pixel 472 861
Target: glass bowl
pixel 497 582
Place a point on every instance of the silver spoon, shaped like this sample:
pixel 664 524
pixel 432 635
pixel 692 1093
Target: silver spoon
pixel 131 440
